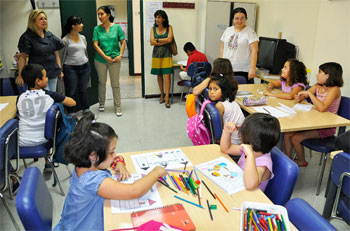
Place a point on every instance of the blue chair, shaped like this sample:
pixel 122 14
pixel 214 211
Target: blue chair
pixel 304 217
pixel 33 202
pixel 211 119
pixel 9 87
pixel 47 149
pixel 280 188
pixel 241 79
pixel 8 150
pixel 202 69
pixel 327 145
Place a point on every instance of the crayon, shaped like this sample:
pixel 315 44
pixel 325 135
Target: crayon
pixel 188 201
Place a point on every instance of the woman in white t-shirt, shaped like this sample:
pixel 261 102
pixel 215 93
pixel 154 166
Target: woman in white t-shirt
pixel 239 44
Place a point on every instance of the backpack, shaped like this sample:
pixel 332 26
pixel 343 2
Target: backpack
pixel 198 78
pixel 196 130
pixel 64 133
pixel 190 105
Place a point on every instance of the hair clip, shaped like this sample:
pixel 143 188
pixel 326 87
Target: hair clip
pixel 93 121
pixel 221 75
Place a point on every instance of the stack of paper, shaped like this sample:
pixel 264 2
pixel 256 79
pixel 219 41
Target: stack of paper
pixel 271 110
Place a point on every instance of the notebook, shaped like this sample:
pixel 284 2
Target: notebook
pixel 174 215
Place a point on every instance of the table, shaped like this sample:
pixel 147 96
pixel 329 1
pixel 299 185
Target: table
pixel 263 79
pixel 299 122
pixel 10 110
pixel 175 66
pixel 200 217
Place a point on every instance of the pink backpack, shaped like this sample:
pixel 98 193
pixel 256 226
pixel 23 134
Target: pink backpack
pixel 196 130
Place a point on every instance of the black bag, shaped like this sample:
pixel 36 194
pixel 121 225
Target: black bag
pixel 342 142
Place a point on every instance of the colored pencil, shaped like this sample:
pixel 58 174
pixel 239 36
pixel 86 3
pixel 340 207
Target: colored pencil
pixel 167 186
pixel 211 215
pixel 221 203
pixel 188 201
pixel 163 179
pixel 185 165
pixel 208 188
pixel 173 180
pixel 199 199
pixel 284 224
pixel 189 177
pixel 270 225
pixel 175 170
pixel 195 173
pixel 245 220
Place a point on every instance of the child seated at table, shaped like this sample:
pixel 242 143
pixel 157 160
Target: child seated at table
pixel 260 132
pixel 92 151
pixel 293 79
pixel 325 96
pixel 32 106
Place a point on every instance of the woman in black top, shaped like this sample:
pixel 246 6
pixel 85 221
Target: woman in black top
pixel 40 47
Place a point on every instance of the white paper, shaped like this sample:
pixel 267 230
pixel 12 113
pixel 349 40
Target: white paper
pixel 151 8
pixel 286 109
pixel 182 62
pixel 244 93
pixel 271 110
pixel 224 174
pixel 303 107
pixel 148 201
pixel 271 77
pixel 3 105
pixel 171 159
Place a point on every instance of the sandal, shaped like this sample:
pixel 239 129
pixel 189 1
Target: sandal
pixel 302 165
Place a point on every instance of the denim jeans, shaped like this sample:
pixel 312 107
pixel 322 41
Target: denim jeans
pixel 76 78
pixel 52 84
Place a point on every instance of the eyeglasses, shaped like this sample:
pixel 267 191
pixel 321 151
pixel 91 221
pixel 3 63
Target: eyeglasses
pixel 241 18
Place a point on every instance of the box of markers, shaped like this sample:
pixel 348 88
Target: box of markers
pixel 261 216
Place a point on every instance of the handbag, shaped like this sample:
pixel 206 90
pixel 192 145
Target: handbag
pixel 173 47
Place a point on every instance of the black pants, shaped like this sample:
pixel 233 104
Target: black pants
pixel 245 75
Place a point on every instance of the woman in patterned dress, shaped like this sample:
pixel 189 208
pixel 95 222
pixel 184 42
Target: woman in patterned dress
pixel 162 62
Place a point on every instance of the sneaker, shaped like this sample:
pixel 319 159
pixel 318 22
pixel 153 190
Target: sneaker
pixel 47 172
pixel 180 83
pixel 119 113
pixel 101 108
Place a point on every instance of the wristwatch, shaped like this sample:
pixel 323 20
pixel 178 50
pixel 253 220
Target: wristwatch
pixel 157 40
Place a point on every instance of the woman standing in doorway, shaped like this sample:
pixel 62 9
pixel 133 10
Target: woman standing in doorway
pixel 106 39
pixel 162 62
pixel 76 67
pixel 239 44
pixel 40 46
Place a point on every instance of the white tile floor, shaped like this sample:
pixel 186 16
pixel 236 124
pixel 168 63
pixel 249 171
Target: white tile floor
pixel 148 125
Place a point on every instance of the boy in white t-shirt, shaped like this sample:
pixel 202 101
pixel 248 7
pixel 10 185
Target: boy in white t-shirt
pixel 33 104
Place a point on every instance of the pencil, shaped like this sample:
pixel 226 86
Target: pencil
pixel 266 110
pixel 208 188
pixel 199 199
pixel 211 215
pixel 190 202
pixel 189 177
pixel 221 203
pixel 185 165
pixel 175 184
pixel 166 186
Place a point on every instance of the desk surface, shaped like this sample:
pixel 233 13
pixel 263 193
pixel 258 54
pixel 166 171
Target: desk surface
pixel 10 110
pixel 200 217
pixel 299 122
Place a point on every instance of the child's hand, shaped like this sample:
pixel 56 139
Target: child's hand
pixel 230 127
pixel 267 92
pixel 123 172
pixel 269 87
pixel 247 149
pixel 160 171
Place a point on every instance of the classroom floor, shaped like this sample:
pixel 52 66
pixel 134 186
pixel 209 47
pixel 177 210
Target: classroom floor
pixel 147 125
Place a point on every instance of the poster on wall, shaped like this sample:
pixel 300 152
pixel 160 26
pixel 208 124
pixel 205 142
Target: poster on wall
pixel 151 8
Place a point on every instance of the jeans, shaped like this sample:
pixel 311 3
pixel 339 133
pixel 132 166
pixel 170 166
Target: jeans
pixel 52 84
pixel 76 78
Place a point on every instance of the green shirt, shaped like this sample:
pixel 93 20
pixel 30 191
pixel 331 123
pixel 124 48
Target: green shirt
pixel 108 42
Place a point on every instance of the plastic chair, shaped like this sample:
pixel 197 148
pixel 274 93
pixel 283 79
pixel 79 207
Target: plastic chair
pixel 33 202
pixel 304 217
pixel 9 87
pixel 212 120
pixel 196 68
pixel 47 149
pixel 327 145
pixel 340 176
pixel 8 150
pixel 280 188
pixel 240 79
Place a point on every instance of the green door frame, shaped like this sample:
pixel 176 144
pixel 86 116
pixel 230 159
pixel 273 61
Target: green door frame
pixel 130 42
pixel 142 50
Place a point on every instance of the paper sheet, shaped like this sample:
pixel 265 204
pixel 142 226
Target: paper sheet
pixel 286 109
pixel 148 201
pixel 271 77
pixel 303 107
pixel 182 62
pixel 244 93
pixel 3 105
pixel 271 110
pixel 224 174
pixel 172 159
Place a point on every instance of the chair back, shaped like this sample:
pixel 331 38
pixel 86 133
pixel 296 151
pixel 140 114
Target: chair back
pixel 197 67
pixel 280 188
pixel 33 201
pixel 341 164
pixel 51 124
pixel 304 217
pixel 240 79
pixel 8 149
pixel 344 111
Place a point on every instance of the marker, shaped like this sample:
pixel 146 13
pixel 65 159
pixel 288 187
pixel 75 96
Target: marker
pixel 211 215
pixel 208 189
pixel 188 179
pixel 221 203
pixel 188 201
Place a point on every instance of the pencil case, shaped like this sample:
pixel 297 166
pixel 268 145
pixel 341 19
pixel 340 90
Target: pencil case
pixel 254 101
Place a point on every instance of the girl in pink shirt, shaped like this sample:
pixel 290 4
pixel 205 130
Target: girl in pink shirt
pixel 259 132
pixel 325 95
pixel 293 79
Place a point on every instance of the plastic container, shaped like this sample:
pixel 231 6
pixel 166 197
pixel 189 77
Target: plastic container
pixel 274 209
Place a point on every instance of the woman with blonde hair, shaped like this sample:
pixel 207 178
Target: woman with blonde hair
pixel 40 47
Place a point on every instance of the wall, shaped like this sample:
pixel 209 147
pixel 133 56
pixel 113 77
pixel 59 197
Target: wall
pixel 14 18
pixel 137 35
pixel 120 8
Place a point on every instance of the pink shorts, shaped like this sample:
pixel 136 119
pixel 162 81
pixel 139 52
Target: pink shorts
pixel 323 133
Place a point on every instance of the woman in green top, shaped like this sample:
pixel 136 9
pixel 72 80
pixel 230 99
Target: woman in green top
pixel 106 39
pixel 162 62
